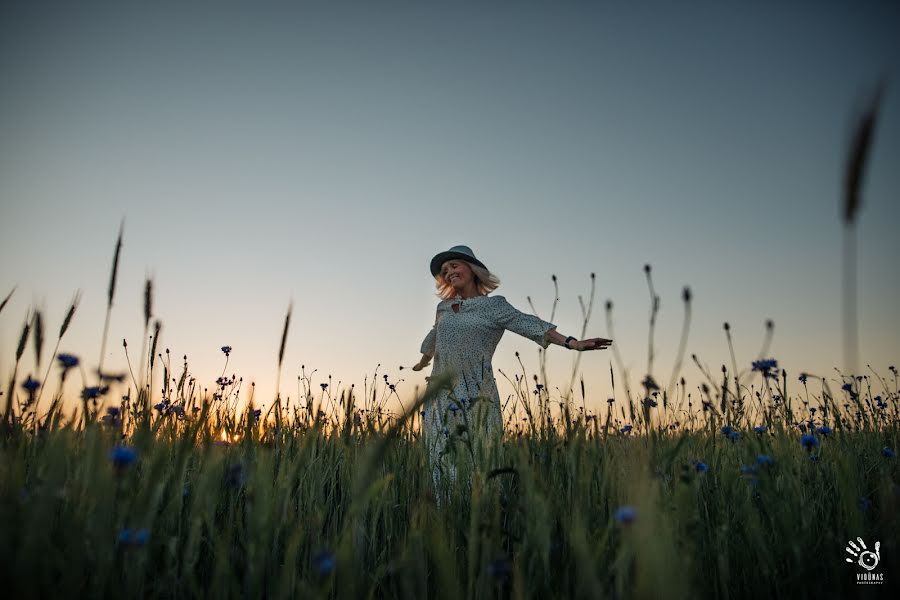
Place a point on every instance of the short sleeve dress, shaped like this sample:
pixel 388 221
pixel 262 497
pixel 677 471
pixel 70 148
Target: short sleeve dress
pixel 463 343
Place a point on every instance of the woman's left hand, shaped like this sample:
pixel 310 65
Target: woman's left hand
pixel 591 344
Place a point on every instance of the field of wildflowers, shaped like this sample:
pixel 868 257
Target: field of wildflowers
pixel 764 485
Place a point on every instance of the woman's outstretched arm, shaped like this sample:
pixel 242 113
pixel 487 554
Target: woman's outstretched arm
pixel 590 344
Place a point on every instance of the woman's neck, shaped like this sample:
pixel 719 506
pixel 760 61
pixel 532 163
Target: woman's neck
pixel 468 293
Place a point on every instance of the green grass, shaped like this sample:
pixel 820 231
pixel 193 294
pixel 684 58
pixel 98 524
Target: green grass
pixel 269 512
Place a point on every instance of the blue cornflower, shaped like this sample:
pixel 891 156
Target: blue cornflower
pixel 257 413
pixel 625 515
pixel 748 470
pixel 30 385
pixel 141 537
pixel 803 377
pixel 90 393
pixel 453 407
pixel 112 411
pixel 814 458
pixel 864 504
pixel 626 429
pixel 323 386
pixel 701 467
pixel 734 435
pixel 824 430
pixel 123 456
pixel 324 563
pixel 765 459
pixel 887 452
pixel 847 387
pixel 650 402
pixel 67 361
pixel 809 441
pixel 765 366
pixel 760 429
pixel 226 350
pixel 726 431
pixel 160 406
pixel 422 412
pixel 134 537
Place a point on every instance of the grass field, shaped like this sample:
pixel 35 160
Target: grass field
pixel 747 496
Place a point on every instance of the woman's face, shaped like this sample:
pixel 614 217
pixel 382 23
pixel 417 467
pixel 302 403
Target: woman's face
pixel 457 273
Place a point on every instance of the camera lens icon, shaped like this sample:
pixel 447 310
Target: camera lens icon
pixel 864 557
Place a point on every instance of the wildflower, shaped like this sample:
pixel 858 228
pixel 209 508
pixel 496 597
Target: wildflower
pixel 67 361
pixel 161 407
pixel 257 413
pixel 625 515
pixel 826 431
pixel 864 504
pixel 726 431
pixel 814 458
pixel 765 366
pixel 803 377
pixel 887 452
pixel 626 429
pixel 765 460
pixel 226 350
pixel 453 407
pixel 134 537
pixel 734 436
pixel 422 412
pixel 31 385
pixel 760 429
pixel 649 402
pixel 323 386
pixel 748 470
pixel 91 393
pixel 847 387
pixel 809 441
pixel 112 411
pixel 701 467
pixel 123 456
pixel 324 563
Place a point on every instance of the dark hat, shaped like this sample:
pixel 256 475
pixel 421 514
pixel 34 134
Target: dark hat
pixel 462 252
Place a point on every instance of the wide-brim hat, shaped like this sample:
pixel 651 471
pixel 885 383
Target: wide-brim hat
pixel 462 252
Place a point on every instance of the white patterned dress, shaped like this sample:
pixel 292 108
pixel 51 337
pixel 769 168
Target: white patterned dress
pixel 463 343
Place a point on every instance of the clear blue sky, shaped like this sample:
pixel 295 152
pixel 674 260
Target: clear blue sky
pixel 269 153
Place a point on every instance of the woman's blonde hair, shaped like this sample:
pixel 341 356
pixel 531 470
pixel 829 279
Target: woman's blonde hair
pixel 485 281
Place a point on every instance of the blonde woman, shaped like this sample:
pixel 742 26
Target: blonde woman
pixel 468 326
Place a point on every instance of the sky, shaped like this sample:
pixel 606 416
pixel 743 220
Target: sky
pixel 318 155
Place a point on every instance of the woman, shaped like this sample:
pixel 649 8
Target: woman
pixel 468 326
